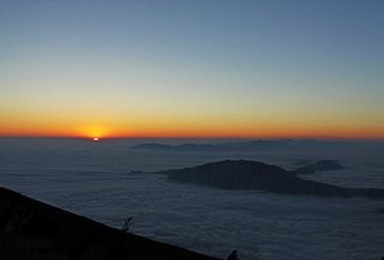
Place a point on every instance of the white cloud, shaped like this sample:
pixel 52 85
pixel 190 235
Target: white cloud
pixel 96 183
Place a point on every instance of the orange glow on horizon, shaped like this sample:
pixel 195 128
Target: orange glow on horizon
pixel 91 131
pixel 95 133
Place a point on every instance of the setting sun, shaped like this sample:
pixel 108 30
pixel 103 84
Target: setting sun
pixel 93 132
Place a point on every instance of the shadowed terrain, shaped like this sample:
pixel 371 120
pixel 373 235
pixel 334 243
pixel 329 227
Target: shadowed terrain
pixel 32 230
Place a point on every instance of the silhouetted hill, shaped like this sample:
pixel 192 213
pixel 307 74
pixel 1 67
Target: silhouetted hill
pixel 33 230
pixel 243 174
pixel 323 165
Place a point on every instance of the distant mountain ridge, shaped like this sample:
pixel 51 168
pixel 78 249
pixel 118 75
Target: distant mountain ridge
pixel 242 174
pixel 188 146
pixel 244 146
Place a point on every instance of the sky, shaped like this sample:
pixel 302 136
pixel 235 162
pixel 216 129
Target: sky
pixel 212 68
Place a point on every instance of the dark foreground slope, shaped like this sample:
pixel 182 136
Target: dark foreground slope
pixel 260 176
pixel 33 230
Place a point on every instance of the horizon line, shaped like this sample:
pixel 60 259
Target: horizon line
pixel 297 138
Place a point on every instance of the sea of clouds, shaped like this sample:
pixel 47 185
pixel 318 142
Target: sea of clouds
pixel 96 180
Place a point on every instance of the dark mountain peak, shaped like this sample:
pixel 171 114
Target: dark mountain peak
pixel 322 165
pixel 242 174
pixel 247 165
pixel 238 167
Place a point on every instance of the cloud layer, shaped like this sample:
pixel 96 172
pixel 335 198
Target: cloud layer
pixel 95 181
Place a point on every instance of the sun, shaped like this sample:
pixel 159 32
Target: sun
pixel 94 133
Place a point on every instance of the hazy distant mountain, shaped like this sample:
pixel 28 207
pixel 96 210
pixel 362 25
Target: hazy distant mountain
pixel 154 146
pixel 285 144
pixel 323 165
pixel 182 147
pixel 243 174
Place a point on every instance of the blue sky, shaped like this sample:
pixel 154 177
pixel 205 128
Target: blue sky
pixel 149 63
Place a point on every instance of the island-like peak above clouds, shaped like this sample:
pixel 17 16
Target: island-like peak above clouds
pixel 242 174
pixel 320 166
